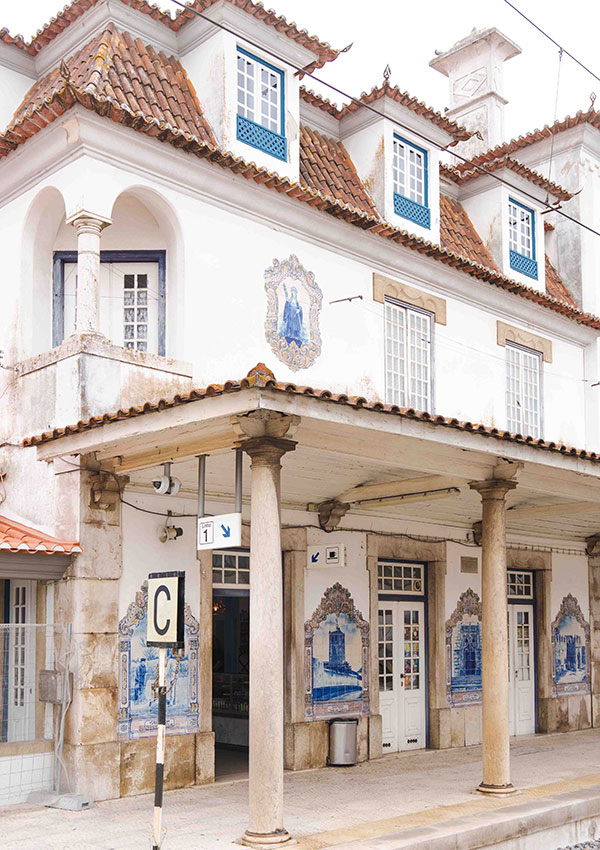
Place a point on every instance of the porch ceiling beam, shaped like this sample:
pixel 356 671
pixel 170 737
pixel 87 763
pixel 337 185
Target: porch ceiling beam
pixel 519 512
pixel 389 489
pixel 341 429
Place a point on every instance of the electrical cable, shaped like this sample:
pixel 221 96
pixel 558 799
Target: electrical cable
pixel 549 37
pixel 120 492
pixel 302 71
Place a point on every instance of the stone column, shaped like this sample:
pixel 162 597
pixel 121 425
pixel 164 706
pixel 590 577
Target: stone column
pixel 495 689
pixel 266 645
pixel 88 227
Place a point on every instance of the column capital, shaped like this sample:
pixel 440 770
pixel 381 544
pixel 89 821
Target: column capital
pixel 267 451
pixel 87 222
pixel 493 488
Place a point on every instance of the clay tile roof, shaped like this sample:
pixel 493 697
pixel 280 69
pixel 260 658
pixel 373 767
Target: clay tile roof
pixel 15 537
pixel 458 133
pixel 120 77
pixel 260 377
pixel 325 165
pixel 323 51
pixel 464 172
pixel 592 117
pixel 555 287
pixel 457 234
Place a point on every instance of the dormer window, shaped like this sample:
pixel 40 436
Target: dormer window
pixel 521 239
pixel 409 167
pixel 260 105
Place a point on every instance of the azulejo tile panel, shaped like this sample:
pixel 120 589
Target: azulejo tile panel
pixel 463 651
pixel 138 706
pixel 336 651
pixel 571 668
pixel 294 302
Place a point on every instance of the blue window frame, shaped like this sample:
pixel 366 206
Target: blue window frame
pixel 411 191
pixel 521 239
pixel 63 258
pixel 260 105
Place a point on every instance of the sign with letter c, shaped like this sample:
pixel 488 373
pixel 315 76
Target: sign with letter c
pixel 166 599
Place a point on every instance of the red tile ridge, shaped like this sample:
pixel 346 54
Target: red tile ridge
pixel 16 537
pixel 464 172
pixel 322 49
pixel 70 13
pixel 261 377
pixel 459 134
pixel 591 116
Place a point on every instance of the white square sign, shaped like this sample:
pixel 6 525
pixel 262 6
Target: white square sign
pixel 220 532
pixel 333 555
pixel 166 599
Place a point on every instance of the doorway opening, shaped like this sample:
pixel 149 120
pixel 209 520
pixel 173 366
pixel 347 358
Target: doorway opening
pixel 231 662
pixel 521 652
pixel 402 643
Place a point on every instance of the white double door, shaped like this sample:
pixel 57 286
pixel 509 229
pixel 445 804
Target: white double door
pixel 402 675
pixel 521 660
pixel 20 700
pixel 127 303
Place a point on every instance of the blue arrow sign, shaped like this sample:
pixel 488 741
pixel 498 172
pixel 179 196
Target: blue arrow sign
pixel 314 558
pixel 226 530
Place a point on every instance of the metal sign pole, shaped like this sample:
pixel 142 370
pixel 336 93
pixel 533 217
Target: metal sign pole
pixel 238 480
pixel 164 630
pixel 160 747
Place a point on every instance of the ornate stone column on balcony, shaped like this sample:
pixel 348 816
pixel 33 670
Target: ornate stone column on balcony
pixel 89 227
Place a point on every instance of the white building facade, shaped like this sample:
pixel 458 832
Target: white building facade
pixel 177 208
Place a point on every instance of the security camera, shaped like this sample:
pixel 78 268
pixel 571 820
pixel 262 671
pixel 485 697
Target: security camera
pixel 166 485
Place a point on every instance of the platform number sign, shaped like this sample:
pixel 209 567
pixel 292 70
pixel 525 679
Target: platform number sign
pixel 166 599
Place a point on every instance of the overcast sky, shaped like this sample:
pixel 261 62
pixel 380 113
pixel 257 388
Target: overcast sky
pixel 406 34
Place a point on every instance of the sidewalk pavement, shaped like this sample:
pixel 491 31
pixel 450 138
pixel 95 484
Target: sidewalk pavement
pixel 323 808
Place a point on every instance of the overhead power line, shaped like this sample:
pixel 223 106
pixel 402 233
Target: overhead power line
pixel 302 70
pixel 549 37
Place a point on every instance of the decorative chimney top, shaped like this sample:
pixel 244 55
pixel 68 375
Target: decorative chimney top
pixel 474 67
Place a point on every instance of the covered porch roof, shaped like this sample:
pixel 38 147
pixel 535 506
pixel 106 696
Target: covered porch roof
pixel 383 460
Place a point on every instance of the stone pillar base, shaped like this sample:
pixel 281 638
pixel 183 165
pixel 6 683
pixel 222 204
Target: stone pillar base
pixel 267 840
pixel 496 790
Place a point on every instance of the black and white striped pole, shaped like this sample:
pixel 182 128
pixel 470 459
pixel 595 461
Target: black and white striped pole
pixel 166 599
pixel 160 748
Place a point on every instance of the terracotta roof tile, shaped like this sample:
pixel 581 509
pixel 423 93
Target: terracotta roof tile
pixel 394 93
pixel 323 51
pixel 555 287
pixel 113 69
pixel 457 234
pixel 464 172
pixel 325 165
pixel 592 117
pixel 15 537
pixel 93 79
pixel 262 378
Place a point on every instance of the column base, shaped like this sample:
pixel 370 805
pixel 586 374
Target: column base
pixel 267 839
pixel 496 790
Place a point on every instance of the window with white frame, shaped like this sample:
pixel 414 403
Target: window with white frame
pixel 523 390
pixel 260 105
pixel 409 172
pixel 521 238
pixel 407 356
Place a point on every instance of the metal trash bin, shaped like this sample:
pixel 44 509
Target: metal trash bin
pixel 342 741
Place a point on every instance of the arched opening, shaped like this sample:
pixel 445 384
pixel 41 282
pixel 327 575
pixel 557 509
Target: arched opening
pixel 140 264
pixel 43 222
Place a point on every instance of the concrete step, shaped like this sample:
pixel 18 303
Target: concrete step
pixel 544 824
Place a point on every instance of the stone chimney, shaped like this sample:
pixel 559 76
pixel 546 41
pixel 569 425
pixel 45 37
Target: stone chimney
pixel 474 67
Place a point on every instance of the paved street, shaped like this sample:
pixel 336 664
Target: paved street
pixel 324 808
